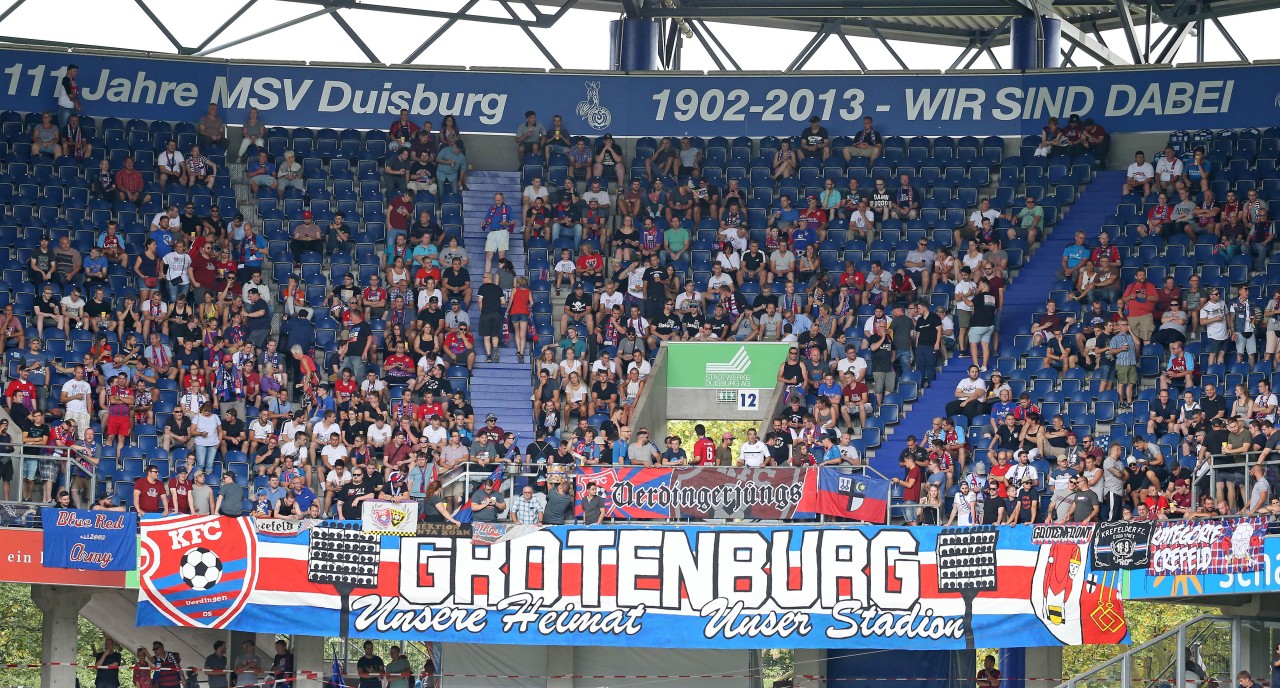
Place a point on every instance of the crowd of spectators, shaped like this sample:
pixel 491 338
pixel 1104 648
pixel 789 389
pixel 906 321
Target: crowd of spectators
pixel 1174 365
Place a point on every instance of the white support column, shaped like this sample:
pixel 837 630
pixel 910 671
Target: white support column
pixel 560 663
pixel 810 663
pixel 1043 663
pixel 308 657
pixel 61 607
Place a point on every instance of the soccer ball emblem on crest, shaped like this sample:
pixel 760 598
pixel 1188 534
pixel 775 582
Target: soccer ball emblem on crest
pixel 200 568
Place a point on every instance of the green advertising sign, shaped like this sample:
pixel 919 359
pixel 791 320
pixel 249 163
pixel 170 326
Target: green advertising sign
pixel 721 365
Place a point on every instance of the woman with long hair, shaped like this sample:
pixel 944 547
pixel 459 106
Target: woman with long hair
pixel 436 506
pixel 519 310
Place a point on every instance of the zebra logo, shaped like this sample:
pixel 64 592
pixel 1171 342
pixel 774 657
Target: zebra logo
pixel 597 116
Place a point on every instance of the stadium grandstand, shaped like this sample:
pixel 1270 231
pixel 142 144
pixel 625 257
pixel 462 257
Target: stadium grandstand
pixel 531 377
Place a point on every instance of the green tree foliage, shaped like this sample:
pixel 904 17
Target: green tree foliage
pixel 715 428
pixel 20 636
pixel 1146 620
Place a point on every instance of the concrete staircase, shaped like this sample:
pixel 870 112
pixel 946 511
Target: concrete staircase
pixel 504 388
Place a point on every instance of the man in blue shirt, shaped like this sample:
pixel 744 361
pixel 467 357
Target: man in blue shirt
pixel 163 239
pixel 1072 257
pixel 261 172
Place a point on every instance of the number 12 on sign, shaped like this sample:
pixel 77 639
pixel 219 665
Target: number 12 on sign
pixel 748 400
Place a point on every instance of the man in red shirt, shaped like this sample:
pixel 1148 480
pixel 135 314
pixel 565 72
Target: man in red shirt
pixel 910 485
pixel 119 411
pixel 999 470
pixel 399 214
pixel 204 271
pixel 591 264
pixel 1139 304
pixel 20 389
pixel 149 493
pixel 460 347
pixel 344 389
pixel 704 449
pixel 1105 248
pixel 129 184
pixel 179 489
pixel 815 218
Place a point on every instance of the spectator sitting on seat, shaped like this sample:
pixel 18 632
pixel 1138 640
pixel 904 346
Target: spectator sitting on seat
pixel 45 138
pixel 75 142
pixel 1051 137
pixel 199 169
pixel 169 165
pixel 289 175
pixel 969 394
pixel 261 172
pixel 1029 220
pixel 529 134
pixel 1140 175
pixel 1169 171
pixel 1051 321
pixel 1106 283
pixel 609 161
pixel 906 201
pixel 401 133
pixel 1173 325
pixel 211 130
pixel 581 160
pixel 867 143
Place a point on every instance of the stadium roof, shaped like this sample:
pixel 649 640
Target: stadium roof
pixel 1149 32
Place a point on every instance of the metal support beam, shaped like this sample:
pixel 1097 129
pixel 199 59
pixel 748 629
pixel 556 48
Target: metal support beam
pixel 876 32
pixel 1200 40
pixel 806 52
pixel 994 60
pixel 631 8
pixel 14 6
pixel 355 38
pixel 848 45
pixel 961 56
pixel 542 22
pixel 711 35
pixel 1126 24
pixel 985 44
pixel 1066 56
pixel 267 31
pixel 529 32
pixel 438 33
pixel 160 25
pixel 1230 41
pixel 1171 47
pixel 225 25
pixel 705 45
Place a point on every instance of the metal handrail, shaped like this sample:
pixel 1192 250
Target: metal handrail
pixel 1179 631
pixel 66 472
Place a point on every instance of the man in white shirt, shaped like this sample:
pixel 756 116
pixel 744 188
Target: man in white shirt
pixel 178 271
pixel 1169 170
pixel 753 452
pixel 969 395
pixel 435 434
pixel 1140 175
pixel 77 398
pixel 852 362
pixel 600 196
pixel 1213 318
pixel 169 164
pixel 324 427
pixel 333 451
pixel 964 292
pixel 535 189
pixel 334 481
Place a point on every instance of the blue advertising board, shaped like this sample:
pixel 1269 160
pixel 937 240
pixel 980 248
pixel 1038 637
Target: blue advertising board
pixel 696 587
pixel 95 540
pixel 719 104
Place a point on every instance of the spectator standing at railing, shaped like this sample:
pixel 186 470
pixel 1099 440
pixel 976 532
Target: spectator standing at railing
pixel 107 674
pixel 149 493
pixel 215 665
pixel 370 667
pixel 399 671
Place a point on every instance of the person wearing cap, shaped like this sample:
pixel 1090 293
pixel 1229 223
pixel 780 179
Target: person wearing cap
pixel 307 237
pixel 814 140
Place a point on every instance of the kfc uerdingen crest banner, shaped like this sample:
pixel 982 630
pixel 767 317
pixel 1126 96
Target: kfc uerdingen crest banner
pixel 644 586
